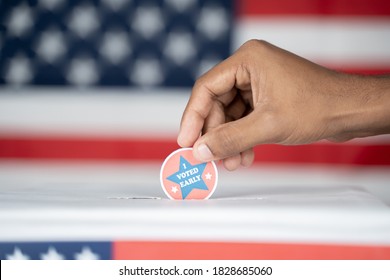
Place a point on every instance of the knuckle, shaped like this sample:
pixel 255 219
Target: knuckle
pixel 198 83
pixel 274 126
pixel 228 143
pixel 256 44
pixel 254 51
pixel 201 84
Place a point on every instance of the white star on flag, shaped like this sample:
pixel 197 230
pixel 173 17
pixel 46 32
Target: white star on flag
pixel 51 4
pixel 86 254
pixel 213 22
pixel 115 5
pixel 147 72
pixel 20 20
pixel 51 45
pixel 208 176
pixel 52 254
pixel 17 255
pixel 84 20
pixel 115 46
pixel 174 189
pixel 180 5
pixel 19 70
pixel 180 47
pixel 83 71
pixel 148 21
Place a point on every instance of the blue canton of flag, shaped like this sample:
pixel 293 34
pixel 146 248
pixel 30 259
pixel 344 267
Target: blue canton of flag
pixel 112 42
pixel 55 250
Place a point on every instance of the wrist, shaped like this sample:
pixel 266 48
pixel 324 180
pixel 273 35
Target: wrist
pixel 362 107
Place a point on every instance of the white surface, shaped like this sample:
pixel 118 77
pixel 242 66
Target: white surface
pixel 58 201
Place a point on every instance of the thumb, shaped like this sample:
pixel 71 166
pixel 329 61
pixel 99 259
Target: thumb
pixel 227 140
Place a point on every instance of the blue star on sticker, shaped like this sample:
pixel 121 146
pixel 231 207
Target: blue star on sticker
pixel 189 177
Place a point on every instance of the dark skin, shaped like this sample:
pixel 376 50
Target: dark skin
pixel 263 94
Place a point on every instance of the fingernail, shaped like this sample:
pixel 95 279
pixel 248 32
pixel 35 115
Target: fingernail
pixel 204 153
pixel 180 140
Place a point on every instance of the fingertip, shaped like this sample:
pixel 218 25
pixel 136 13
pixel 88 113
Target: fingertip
pixel 202 152
pixel 232 163
pixel 187 135
pixel 247 158
pixel 181 141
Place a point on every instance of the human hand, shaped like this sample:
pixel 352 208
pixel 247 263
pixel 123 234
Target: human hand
pixel 264 94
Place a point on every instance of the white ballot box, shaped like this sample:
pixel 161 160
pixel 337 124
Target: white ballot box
pixel 119 211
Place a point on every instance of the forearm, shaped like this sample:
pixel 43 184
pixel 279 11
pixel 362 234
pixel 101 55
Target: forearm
pixel 364 107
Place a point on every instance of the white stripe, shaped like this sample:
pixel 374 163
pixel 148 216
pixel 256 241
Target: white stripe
pixel 100 113
pixel 345 42
pixel 118 112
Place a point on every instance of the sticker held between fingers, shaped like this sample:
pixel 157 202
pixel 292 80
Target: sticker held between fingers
pixel 183 177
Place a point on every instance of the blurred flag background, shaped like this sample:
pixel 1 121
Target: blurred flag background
pixel 65 65
pixel 92 91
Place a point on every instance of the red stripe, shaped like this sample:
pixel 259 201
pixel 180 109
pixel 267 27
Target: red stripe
pixel 314 7
pixel 132 250
pixel 85 148
pixel 324 154
pixel 155 149
pixel 364 71
pixel 358 70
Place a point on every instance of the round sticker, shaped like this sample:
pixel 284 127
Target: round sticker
pixel 184 177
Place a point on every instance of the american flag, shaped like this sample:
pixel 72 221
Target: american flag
pixel 112 43
pixel 146 47
pixel 91 95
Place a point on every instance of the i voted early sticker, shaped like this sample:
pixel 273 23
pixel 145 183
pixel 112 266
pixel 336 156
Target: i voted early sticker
pixel 184 177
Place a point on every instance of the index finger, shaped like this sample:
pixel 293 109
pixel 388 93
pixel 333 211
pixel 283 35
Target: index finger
pixel 215 83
